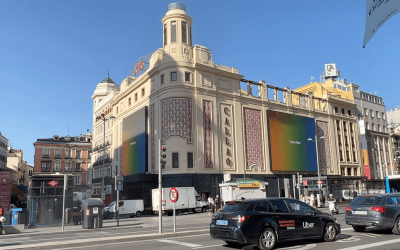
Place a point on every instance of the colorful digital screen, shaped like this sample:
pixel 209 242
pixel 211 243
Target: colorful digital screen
pixel 134 143
pixel 290 149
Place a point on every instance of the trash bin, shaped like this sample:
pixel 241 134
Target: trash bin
pixel 92 213
pixel 14 215
pixel 23 217
pixel 68 215
pixel 77 212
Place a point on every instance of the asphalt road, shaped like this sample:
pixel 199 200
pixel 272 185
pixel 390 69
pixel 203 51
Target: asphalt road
pixel 125 237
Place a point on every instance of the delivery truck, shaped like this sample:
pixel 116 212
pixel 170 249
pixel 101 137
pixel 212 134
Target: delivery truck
pixel 188 201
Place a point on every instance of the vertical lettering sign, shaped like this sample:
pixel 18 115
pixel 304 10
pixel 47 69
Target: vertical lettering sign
pixel 227 133
pixel 5 190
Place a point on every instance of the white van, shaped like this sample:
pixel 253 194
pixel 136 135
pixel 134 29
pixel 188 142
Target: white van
pixel 127 207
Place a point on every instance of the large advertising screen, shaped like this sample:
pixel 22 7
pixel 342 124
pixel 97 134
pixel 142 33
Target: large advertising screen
pixel 290 149
pixel 134 143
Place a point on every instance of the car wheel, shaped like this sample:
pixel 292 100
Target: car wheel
pixel 396 227
pixel 359 228
pixel 330 232
pixel 231 243
pixel 267 239
pixel 138 214
pixel 111 215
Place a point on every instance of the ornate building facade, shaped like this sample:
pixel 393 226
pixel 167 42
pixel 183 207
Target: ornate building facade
pixel 211 127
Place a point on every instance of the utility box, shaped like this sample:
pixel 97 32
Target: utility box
pixel 14 215
pixel 92 213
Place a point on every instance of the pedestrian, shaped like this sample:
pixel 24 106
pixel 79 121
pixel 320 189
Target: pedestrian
pixel 209 202
pixel 312 200
pixel 308 199
pixel 212 206
pixel 217 202
pixel 2 218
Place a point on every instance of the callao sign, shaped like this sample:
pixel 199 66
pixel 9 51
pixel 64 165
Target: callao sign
pixel 53 183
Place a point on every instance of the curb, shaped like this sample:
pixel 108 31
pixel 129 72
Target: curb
pixel 104 240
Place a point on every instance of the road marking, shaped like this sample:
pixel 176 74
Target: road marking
pixel 370 235
pixel 350 239
pixel 371 245
pixel 80 241
pixel 206 246
pixel 301 247
pixel 186 244
pixel 345 229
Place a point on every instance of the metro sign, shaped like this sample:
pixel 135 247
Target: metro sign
pixel 53 183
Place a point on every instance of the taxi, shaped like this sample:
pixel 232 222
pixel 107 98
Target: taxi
pixel 265 222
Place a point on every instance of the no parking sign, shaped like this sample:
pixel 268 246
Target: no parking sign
pixel 173 194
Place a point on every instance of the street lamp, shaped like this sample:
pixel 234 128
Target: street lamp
pixel 319 176
pixel 104 119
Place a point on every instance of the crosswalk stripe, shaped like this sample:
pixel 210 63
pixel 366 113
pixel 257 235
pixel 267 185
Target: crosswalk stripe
pixel 187 244
pixel 370 245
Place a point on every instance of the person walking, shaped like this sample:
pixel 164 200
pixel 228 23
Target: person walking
pixel 312 200
pixel 212 205
pixel 217 203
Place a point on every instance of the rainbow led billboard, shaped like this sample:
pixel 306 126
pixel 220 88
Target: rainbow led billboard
pixel 134 143
pixel 290 149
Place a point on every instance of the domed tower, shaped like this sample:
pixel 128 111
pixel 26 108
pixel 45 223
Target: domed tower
pixel 177 32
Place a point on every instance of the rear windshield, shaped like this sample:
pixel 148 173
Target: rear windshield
pixel 366 200
pixel 234 207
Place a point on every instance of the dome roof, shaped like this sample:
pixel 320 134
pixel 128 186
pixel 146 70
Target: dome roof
pixel 108 80
pixel 105 87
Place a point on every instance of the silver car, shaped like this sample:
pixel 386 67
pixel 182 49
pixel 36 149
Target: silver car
pixel 378 210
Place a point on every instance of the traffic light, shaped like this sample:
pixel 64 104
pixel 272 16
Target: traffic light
pixel 163 155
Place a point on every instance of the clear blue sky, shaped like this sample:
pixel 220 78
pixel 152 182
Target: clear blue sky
pixel 54 53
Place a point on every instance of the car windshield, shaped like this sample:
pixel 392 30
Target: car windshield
pixel 234 207
pixel 366 200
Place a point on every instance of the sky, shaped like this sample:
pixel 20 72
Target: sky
pixel 54 53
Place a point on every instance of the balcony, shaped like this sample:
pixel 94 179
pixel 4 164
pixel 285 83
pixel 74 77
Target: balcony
pixel 45 169
pixel 57 169
pixel 67 169
pixel 107 160
pixel 46 156
pixel 57 156
pixel 78 169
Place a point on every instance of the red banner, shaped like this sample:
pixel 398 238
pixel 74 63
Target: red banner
pixel 367 171
pixel 5 190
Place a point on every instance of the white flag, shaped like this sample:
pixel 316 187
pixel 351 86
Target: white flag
pixel 378 12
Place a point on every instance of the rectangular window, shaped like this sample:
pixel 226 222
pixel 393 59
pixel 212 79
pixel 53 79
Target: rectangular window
pixel 342 111
pixel 379 128
pixel 190 36
pixel 372 126
pixel 349 171
pixel 117 110
pixel 349 112
pixel 190 160
pixel 142 92
pixel 336 110
pixel 46 153
pixel 78 167
pixel 173 32
pixel 77 180
pixel 136 97
pixel 174 76
pixel 45 166
pixel 175 160
pixel 187 76
pixel 165 34
pixel 78 154
pixel 67 167
pixel 57 154
pixel 129 101
pixel 162 79
pixel 67 153
pixel 365 112
pixel 372 113
pixel 184 34
pixel 377 114
pixel 57 167
pixel 383 116
pixel 383 129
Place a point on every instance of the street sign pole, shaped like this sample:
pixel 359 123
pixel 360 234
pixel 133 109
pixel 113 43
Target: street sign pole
pixel 159 192
pixel 173 206
pixel 63 207
pixel 119 186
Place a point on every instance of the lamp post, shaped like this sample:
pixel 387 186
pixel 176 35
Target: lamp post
pixel 319 175
pixel 66 182
pixel 104 119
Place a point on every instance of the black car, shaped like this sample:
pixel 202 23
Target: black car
pixel 267 221
pixel 378 210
